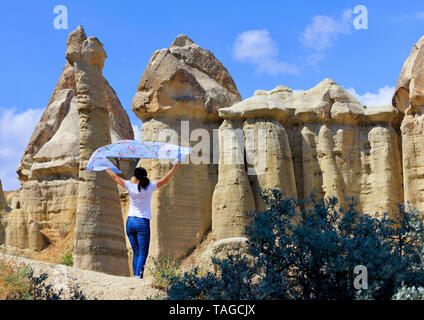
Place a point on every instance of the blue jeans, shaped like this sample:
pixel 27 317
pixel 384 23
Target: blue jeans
pixel 138 232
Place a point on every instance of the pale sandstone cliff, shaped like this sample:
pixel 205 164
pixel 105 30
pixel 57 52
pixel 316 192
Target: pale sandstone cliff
pixel 233 196
pixel 409 98
pixel 322 140
pixel 4 208
pixel 266 145
pixel 44 208
pixel 182 83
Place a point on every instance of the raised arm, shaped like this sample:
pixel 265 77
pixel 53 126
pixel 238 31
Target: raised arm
pixel 167 177
pixel 116 178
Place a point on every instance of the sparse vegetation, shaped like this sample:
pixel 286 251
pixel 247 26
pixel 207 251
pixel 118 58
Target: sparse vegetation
pixel 416 236
pixel 308 250
pixel 20 283
pixel 156 297
pixel 67 260
pixel 14 282
pixel 163 270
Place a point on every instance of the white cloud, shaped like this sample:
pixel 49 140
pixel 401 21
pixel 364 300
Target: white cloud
pixel 16 128
pixel 382 97
pixel 15 131
pixel 323 31
pixel 258 48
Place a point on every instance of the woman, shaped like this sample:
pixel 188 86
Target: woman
pixel 140 190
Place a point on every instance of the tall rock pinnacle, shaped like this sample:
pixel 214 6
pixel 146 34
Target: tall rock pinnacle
pixel 99 233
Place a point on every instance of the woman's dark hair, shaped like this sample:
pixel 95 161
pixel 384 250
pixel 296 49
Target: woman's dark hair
pixel 141 175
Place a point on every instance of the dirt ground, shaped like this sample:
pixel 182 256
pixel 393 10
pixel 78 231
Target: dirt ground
pixel 94 285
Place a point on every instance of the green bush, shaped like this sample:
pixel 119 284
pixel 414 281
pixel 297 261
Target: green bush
pixel 416 236
pixel 68 260
pixel 409 293
pixel 163 270
pixel 20 283
pixel 308 250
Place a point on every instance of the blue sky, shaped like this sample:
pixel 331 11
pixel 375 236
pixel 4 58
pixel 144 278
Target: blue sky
pixel 262 44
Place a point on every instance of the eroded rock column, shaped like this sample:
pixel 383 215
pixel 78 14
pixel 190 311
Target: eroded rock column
pixel 413 159
pixel 99 232
pixel 233 197
pixel 177 99
pixel 324 141
pixel 3 210
pixel 49 169
pixel 409 98
pixel 271 165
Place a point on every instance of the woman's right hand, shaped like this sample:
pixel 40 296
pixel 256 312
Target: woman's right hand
pixel 168 176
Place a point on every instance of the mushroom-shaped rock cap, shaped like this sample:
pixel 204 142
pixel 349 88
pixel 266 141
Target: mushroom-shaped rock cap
pixel 93 52
pixel 410 85
pixel 329 102
pixel 325 102
pixel 385 113
pixel 184 81
pixel 74 44
pixel 276 90
pixel 184 48
pixel 53 148
pixel 264 104
pixel 79 48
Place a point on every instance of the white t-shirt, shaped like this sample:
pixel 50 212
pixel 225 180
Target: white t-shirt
pixel 140 201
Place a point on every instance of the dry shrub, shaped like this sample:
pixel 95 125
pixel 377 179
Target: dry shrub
pixel 14 281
